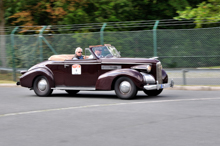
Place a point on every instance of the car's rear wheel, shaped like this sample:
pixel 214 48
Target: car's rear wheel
pixel 125 88
pixel 153 92
pixel 42 87
pixel 72 92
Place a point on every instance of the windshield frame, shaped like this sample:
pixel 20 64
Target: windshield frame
pixel 111 52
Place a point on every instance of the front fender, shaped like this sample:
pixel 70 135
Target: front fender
pixel 164 76
pixel 106 80
pixel 27 79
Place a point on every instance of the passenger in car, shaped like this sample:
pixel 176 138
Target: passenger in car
pixel 78 53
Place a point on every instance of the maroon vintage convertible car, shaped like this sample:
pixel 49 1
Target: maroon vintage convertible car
pixel 109 72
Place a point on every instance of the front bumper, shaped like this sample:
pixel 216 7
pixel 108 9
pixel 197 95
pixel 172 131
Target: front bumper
pixel 159 86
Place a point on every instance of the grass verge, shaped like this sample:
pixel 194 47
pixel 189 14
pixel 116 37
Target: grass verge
pixel 6 82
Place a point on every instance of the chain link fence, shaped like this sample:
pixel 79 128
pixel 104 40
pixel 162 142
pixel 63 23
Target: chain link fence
pixel 176 48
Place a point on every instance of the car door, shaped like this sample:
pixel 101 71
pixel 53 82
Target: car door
pixel 58 69
pixel 81 73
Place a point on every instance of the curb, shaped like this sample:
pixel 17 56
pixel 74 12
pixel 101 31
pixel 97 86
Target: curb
pixel 8 85
pixel 195 88
pixel 177 87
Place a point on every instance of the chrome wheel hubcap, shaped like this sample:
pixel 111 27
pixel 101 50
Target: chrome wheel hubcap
pixel 125 87
pixel 42 84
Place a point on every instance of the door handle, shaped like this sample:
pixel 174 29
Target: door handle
pixel 66 65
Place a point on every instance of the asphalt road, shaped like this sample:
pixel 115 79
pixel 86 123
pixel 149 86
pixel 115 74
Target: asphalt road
pixel 174 118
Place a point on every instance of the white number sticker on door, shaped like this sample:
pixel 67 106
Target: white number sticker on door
pixel 76 69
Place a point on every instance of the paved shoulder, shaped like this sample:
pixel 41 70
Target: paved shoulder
pixel 194 88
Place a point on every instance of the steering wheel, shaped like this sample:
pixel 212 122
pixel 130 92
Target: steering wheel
pixel 108 55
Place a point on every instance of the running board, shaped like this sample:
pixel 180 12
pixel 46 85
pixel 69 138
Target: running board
pixel 73 88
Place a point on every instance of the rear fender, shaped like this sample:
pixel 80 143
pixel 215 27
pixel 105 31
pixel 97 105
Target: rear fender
pixel 106 80
pixel 27 79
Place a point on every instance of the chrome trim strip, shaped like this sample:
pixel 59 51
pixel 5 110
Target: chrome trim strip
pixel 110 67
pixel 73 88
pixel 124 63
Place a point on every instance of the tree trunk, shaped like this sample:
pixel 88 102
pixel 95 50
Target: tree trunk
pixel 2 36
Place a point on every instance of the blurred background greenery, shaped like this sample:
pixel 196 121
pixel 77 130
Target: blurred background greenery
pixel 186 35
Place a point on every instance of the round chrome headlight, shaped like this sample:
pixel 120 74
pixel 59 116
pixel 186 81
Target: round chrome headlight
pixel 148 68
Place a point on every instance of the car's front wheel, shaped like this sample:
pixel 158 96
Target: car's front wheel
pixel 125 88
pixel 72 92
pixel 42 87
pixel 153 92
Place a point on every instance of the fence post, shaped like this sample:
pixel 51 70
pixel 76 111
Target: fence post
pixel 40 43
pixel 184 76
pixel 101 33
pixel 13 52
pixel 48 44
pixel 155 37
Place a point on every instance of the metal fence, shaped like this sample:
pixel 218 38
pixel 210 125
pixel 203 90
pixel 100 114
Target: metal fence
pixel 176 48
pixel 194 76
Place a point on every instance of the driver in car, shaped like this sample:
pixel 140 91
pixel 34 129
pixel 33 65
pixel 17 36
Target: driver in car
pixel 98 52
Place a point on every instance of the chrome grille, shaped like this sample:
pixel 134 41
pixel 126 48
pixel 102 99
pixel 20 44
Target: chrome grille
pixel 159 72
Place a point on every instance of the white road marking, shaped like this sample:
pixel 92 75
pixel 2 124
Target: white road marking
pixel 103 105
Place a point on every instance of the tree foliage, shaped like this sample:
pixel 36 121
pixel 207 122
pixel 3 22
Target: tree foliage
pixel 205 12
pixel 39 12
pixel 47 12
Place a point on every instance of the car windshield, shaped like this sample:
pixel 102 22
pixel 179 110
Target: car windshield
pixel 106 51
